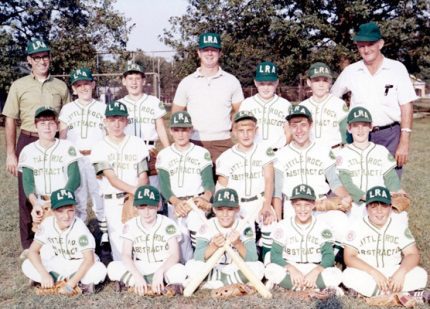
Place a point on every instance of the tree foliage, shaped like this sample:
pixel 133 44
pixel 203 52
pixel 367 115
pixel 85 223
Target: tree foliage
pixel 296 33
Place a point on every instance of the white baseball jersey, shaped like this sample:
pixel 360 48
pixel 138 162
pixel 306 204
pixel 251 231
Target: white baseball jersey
pixel 326 116
pixel 305 166
pixel 124 159
pixel 270 119
pixel 84 123
pixel 50 165
pixel 367 167
pixel 302 243
pixel 244 170
pixel 184 168
pixel 212 228
pixel 380 247
pixel 69 243
pixel 142 115
pixel 151 245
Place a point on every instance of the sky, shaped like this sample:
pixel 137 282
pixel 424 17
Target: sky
pixel 150 17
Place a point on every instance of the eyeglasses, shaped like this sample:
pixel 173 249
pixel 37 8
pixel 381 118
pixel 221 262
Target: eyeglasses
pixel 40 58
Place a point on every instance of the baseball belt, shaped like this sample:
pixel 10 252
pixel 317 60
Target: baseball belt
pixel 379 128
pixel 252 198
pixel 29 133
pixel 116 196
pixel 85 152
pixel 337 146
pixel 186 198
pixel 150 143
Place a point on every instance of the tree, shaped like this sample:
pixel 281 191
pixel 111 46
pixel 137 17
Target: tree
pixel 296 33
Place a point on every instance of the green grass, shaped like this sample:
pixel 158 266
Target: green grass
pixel 15 292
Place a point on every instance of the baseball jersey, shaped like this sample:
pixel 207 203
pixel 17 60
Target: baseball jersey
pixel 50 165
pixel 212 228
pixel 380 247
pixel 270 119
pixel 326 116
pixel 301 243
pixel 69 243
pixel 367 167
pixel 304 166
pixel 184 168
pixel 151 245
pixel 84 123
pixel 123 158
pixel 370 91
pixel 244 170
pixel 142 115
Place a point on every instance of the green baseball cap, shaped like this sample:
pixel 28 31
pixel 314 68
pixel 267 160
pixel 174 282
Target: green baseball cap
pixel 299 111
pixel 181 120
pixel 80 74
pixel 37 46
pixel 319 69
pixel 378 194
pixel 61 198
pixel 226 198
pixel 266 72
pixel 45 111
pixel 116 108
pixel 146 195
pixel 359 114
pixel 244 115
pixel 134 67
pixel 209 39
pixel 368 33
pixel 303 192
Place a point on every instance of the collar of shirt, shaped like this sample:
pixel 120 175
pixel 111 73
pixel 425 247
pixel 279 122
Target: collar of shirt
pixel 362 67
pixel 49 77
pixel 198 74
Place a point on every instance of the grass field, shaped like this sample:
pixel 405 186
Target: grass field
pixel 15 292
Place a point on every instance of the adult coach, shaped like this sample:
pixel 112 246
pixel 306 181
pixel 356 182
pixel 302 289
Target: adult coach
pixel 382 86
pixel 25 96
pixel 210 95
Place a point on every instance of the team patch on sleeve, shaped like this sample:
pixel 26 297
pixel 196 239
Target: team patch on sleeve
pixel 390 157
pixel 278 233
pixel 408 233
pixel 326 234
pixel 248 232
pixel 161 105
pixel 170 229
pixel 270 152
pixel 83 241
pixel 345 107
pixel 207 156
pixel 331 154
pixel 203 229
pixel 350 236
pixel 72 151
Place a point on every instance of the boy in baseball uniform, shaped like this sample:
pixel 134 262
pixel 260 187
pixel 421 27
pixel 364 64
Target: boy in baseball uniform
pixel 185 171
pixel 302 255
pixel 214 233
pixel 81 122
pixel 121 163
pixel 364 164
pixel 328 111
pixel 380 251
pixel 269 108
pixel 73 245
pixel 145 119
pixel 247 167
pixel 48 163
pixel 304 161
pixel 150 254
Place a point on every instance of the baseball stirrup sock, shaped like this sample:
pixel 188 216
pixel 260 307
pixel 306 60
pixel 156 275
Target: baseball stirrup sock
pixel 286 282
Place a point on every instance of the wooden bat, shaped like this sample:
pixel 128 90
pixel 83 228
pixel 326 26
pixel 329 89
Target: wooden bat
pixel 213 260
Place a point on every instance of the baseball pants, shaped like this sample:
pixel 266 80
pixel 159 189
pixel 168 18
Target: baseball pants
pixel 363 283
pixel 222 275
pixel 329 277
pixel 118 272
pixel 61 269
pixel 113 213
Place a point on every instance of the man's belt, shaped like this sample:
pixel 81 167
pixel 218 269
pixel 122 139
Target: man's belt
pixel 150 143
pixel 85 152
pixel 29 133
pixel 117 196
pixel 380 128
pixel 252 198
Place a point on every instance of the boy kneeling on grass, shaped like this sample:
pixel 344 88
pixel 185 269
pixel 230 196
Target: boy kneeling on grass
pixel 73 245
pixel 150 252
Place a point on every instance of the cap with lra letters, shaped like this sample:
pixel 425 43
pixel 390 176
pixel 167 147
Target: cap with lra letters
pixel 299 111
pixel 359 114
pixel 378 194
pixel 209 39
pixel 146 195
pixel 61 198
pixel 37 46
pixel 266 72
pixel 319 69
pixel 181 120
pixel 80 74
pixel 303 192
pixel 226 198
pixel 116 108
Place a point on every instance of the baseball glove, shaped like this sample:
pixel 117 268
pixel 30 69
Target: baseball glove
pixel 231 290
pixel 57 289
pixel 308 294
pixel 203 204
pixel 128 210
pixel 400 201
pixel 169 290
pixel 331 203
pixel 384 300
pixel 46 212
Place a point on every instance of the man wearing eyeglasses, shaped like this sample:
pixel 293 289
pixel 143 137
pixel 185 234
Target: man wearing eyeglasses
pixel 25 96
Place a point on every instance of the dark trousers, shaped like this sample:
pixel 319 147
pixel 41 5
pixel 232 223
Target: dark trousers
pixel 389 138
pixel 25 207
